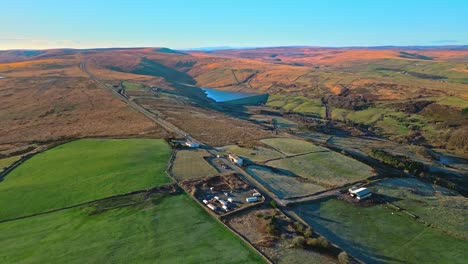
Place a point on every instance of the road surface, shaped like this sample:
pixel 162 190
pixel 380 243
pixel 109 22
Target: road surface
pixel 163 123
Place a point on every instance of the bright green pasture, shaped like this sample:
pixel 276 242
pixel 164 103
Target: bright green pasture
pixel 170 229
pixel 377 234
pixel 81 171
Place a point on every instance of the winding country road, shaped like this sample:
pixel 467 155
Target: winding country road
pixel 171 128
pixel 163 123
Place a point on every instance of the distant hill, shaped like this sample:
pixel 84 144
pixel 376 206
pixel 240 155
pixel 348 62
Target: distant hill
pixel 410 93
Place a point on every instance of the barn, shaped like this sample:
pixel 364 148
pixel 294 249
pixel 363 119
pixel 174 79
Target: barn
pixel 191 144
pixel 360 193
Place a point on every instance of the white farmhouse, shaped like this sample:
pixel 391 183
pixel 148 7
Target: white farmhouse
pixel 191 144
pixel 360 193
pixel 236 159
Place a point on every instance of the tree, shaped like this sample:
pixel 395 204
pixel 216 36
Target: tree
pixel 298 227
pixel 343 258
pixel 298 242
pixel 273 204
pixel 308 232
pixel 320 242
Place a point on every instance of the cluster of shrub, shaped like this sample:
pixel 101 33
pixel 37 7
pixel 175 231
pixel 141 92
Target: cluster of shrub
pixel 305 240
pixel 182 64
pixel 419 169
pixel 411 107
pixel 459 139
pixel 398 161
pixel 351 102
pixel 304 237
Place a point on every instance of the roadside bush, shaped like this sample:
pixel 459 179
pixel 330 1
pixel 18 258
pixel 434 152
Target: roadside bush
pixel 320 242
pixel 308 232
pixel 298 227
pixel 343 258
pixel 272 227
pixel 465 111
pixel 298 242
pixel 400 162
pixel 273 204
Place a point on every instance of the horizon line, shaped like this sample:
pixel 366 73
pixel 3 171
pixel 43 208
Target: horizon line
pixel 208 48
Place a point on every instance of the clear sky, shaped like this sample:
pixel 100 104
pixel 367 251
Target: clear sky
pixel 238 23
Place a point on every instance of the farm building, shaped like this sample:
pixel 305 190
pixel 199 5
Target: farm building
pixel 360 193
pixel 212 207
pixel 236 159
pixel 252 199
pixel 191 144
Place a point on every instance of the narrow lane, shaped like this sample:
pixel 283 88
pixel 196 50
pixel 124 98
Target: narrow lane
pixel 163 123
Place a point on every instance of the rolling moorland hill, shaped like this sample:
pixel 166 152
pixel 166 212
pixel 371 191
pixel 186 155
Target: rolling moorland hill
pixel 416 95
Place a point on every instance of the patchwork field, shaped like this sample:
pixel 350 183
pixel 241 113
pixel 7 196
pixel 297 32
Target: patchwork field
pixel 81 171
pixel 325 167
pixel 162 229
pixel 133 87
pixel 291 146
pixel 284 185
pixel 436 205
pixel 283 123
pixel 191 164
pixel 379 235
pixel 255 154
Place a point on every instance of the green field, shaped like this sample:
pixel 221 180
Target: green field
pixel 191 164
pixel 298 104
pixel 391 126
pixel 379 235
pixel 453 101
pixel 326 168
pixel 284 123
pixel 283 185
pixel 133 87
pixel 367 116
pixel 81 171
pixel 256 154
pixel 291 146
pixel 8 161
pixel 167 229
pixel 436 205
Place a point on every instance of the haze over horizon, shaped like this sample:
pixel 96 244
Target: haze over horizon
pixel 85 24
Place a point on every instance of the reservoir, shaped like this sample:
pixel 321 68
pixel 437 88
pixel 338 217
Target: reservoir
pixel 223 96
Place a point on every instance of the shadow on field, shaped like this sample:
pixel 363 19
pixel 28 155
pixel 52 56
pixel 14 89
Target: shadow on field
pixel 310 213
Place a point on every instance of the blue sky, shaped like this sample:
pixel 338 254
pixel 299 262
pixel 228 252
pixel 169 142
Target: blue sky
pixel 237 23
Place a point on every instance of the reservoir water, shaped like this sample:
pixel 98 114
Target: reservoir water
pixel 223 96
